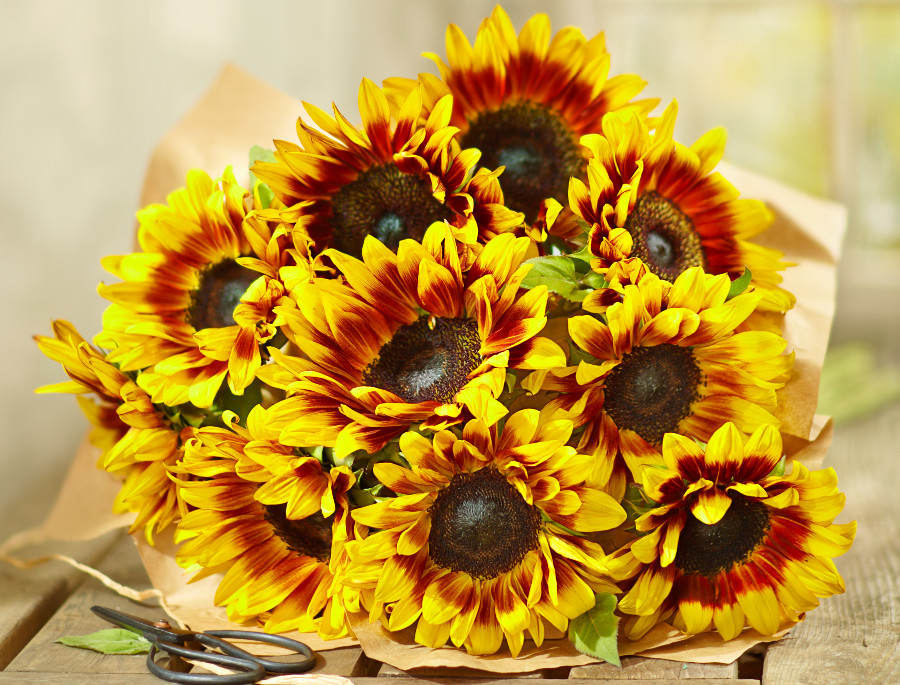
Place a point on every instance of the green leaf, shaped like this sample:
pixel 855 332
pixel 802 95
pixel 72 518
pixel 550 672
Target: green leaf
pixel 261 154
pixel 584 225
pixel 265 195
pixel 739 284
pixel 240 404
pixel 555 267
pixel 557 273
pixel 583 254
pixel 635 502
pixel 778 471
pixel 109 641
pixel 595 632
pixel 594 280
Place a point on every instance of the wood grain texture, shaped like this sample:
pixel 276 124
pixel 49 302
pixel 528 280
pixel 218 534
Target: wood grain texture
pixel 28 598
pixel 8 678
pixel 855 637
pixel 45 678
pixel 548 681
pixel 44 654
pixel 388 671
pixel 637 668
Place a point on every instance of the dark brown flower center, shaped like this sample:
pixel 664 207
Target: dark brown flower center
pixel 710 549
pixel 386 203
pixel 481 525
pixel 652 389
pixel 221 288
pixel 427 360
pixel 664 237
pixel 540 153
pixel 309 537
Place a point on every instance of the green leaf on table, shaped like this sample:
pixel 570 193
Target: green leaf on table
pixel 109 641
pixel 595 632
pixel 739 284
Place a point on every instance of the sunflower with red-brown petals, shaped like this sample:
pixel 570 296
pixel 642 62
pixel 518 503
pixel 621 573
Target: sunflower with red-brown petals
pixel 663 358
pixel 483 541
pixel 392 178
pixel 273 520
pixel 648 196
pixel 407 338
pixel 195 306
pixel 139 440
pixel 730 541
pixel 525 100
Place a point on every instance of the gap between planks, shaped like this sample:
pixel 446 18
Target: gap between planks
pixel 29 598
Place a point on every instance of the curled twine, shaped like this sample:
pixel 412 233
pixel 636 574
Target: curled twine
pixel 36 536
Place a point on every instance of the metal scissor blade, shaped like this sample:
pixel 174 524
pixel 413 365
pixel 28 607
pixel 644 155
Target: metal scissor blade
pixel 159 631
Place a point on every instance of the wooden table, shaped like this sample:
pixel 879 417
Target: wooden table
pixel 852 638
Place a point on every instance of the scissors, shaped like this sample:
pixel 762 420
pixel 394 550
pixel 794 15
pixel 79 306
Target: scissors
pixel 190 645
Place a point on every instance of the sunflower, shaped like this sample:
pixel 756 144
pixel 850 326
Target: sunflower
pixel 139 440
pixel 664 358
pixel 477 546
pixel 731 541
pixel 392 179
pixel 187 309
pixel 273 520
pixel 407 338
pixel 524 101
pixel 649 197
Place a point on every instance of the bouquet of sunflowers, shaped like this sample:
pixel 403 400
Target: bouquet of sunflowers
pixel 503 362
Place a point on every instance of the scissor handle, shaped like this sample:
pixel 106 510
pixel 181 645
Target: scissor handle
pixel 249 671
pixel 305 663
pixel 252 667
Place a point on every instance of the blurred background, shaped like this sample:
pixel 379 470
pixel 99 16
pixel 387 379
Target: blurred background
pixel 809 92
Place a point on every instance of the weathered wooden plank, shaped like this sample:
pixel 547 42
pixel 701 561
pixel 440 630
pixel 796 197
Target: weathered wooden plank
pixel 28 598
pixel 637 668
pixel 21 678
pixel 547 681
pixel 43 678
pixel 855 637
pixel 388 671
pixel 44 654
